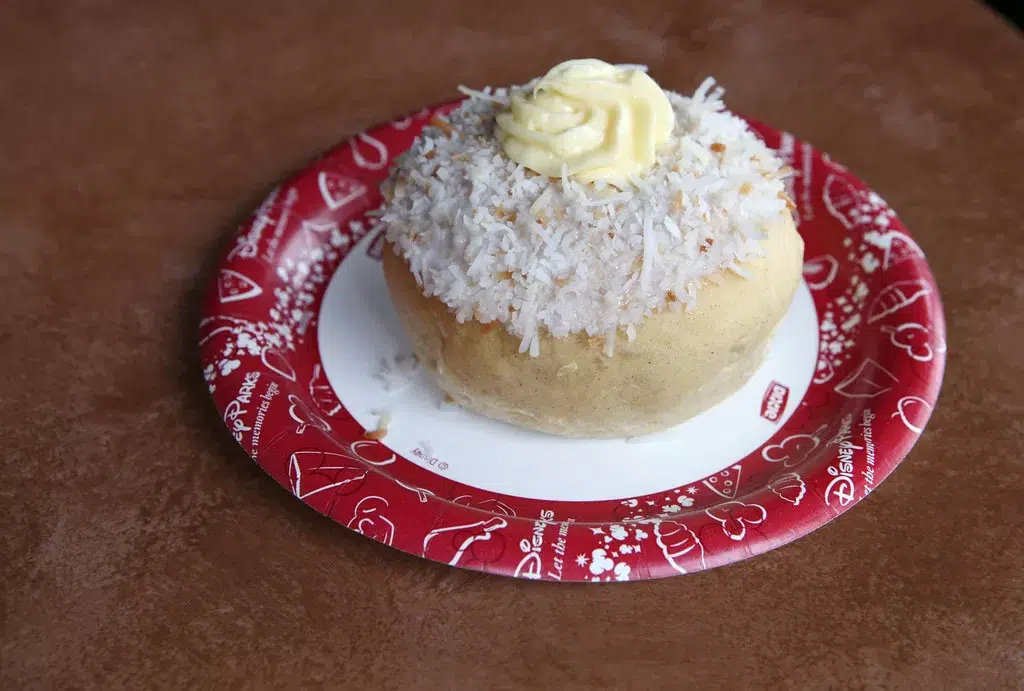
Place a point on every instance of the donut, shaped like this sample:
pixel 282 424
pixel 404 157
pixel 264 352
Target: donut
pixel 632 290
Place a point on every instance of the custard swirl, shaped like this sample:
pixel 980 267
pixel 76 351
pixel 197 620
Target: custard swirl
pixel 598 121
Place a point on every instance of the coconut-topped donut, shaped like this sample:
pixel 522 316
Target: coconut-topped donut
pixel 601 245
pixel 587 254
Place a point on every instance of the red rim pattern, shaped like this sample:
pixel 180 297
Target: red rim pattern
pixel 882 354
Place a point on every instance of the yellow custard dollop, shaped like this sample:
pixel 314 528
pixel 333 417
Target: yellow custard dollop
pixel 595 120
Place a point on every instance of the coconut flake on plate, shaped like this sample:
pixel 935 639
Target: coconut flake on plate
pixel 381 430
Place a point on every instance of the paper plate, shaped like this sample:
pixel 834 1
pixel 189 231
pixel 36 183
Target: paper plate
pixel 302 350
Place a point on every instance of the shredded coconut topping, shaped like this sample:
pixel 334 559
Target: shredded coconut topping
pixel 497 242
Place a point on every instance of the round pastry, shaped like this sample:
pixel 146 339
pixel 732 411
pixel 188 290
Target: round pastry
pixel 588 255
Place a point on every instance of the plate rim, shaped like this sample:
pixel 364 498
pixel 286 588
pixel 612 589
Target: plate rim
pixel 800 524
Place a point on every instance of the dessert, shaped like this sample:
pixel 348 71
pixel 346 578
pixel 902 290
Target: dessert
pixel 588 255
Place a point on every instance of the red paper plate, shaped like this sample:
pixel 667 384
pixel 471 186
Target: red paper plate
pixel 298 321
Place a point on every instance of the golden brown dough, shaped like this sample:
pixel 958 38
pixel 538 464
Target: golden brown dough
pixel 680 363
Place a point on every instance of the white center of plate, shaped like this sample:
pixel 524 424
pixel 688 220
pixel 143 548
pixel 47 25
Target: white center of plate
pixel 358 327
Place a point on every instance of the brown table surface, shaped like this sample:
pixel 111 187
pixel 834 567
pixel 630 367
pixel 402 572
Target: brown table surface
pixel 141 548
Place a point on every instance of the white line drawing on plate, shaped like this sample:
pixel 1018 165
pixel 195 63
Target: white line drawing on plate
pixel 311 229
pixel 233 286
pixel 824 371
pixel 909 403
pixel 897 246
pixel 895 297
pixel 339 190
pixel 322 393
pixel 357 445
pixel 339 474
pixel 676 541
pixel 418 491
pixel 301 413
pixel 725 483
pixel 449 552
pixel 231 323
pixel 841 199
pixel 827 160
pixel 855 207
pixel 238 339
pixel 380 151
pixel 493 505
pixel 367 520
pixel 275 361
pixel 793 449
pixel 820 271
pixel 735 516
pixel 790 487
pixel 916 340
pixel 870 379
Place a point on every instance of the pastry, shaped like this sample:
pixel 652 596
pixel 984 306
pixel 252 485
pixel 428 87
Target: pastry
pixel 589 255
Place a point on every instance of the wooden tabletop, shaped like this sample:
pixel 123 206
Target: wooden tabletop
pixel 142 549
